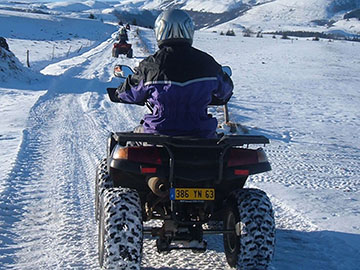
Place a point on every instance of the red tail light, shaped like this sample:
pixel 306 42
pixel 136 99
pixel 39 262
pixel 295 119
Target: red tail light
pixel 142 154
pixel 240 156
pixel 241 172
pixel 148 170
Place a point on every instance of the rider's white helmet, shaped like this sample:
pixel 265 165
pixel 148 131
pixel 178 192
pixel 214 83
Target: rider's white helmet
pixel 174 25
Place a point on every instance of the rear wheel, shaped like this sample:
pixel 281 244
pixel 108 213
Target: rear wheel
pixel 249 213
pixel 115 52
pixel 129 53
pixel 120 229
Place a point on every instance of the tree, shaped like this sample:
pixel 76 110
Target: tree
pixel 247 33
pixel 230 32
pixel 284 36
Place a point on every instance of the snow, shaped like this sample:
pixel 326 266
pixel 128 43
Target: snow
pixel 303 95
pixel 67 6
pixel 49 38
pixel 213 6
pixel 352 24
pixel 12 123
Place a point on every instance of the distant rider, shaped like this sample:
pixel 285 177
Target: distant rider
pixel 178 81
pixel 123 37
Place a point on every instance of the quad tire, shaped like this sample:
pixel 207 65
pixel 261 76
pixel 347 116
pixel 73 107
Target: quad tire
pixel 129 53
pixel 120 229
pixel 102 182
pixel 250 213
pixel 115 52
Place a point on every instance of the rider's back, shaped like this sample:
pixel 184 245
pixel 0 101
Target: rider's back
pixel 183 80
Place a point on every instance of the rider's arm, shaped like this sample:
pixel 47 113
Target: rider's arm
pixel 225 89
pixel 133 90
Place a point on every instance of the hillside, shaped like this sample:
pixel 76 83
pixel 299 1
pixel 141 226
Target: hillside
pixel 11 69
pixel 330 16
pixel 56 35
pixel 307 15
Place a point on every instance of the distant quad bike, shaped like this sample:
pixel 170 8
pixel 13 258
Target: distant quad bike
pixel 122 48
pixel 187 183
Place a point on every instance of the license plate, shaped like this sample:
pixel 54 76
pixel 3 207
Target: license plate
pixel 192 194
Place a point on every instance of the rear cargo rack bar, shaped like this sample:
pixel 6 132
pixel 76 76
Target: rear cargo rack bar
pixel 185 141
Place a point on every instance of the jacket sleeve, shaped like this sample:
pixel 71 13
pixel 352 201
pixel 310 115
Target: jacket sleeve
pixel 133 90
pixel 224 91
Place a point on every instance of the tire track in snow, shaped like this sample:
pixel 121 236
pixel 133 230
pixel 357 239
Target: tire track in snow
pixel 212 258
pixel 293 165
pixel 47 219
pixel 50 190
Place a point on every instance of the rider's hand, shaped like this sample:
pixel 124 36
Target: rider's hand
pixel 118 71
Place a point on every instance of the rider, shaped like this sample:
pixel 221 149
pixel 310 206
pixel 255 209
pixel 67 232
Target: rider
pixel 178 81
pixel 123 37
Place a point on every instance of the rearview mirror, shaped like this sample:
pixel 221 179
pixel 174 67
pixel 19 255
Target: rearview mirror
pixel 122 71
pixel 227 70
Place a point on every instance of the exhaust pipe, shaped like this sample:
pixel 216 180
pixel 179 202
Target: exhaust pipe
pixel 158 186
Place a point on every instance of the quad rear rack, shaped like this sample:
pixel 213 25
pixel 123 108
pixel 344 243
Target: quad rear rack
pixel 183 141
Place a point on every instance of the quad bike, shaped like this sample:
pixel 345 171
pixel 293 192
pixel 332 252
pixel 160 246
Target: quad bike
pixel 187 183
pixel 122 48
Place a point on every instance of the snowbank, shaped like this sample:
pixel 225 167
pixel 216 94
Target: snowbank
pixel 11 68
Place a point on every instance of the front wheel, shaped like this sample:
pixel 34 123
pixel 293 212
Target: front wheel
pixel 102 182
pixel 120 229
pixel 250 215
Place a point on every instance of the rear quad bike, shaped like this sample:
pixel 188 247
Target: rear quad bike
pixel 122 48
pixel 187 183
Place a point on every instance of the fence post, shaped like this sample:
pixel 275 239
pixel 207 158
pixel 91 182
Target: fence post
pixel 27 58
pixel 53 53
pixel 68 51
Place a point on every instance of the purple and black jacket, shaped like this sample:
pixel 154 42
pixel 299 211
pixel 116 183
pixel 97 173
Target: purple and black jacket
pixel 179 82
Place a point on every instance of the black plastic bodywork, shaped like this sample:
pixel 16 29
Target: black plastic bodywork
pixel 186 162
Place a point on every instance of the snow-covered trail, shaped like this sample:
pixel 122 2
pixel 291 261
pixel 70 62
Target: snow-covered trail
pixel 47 219
pixel 51 188
pixel 47 204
